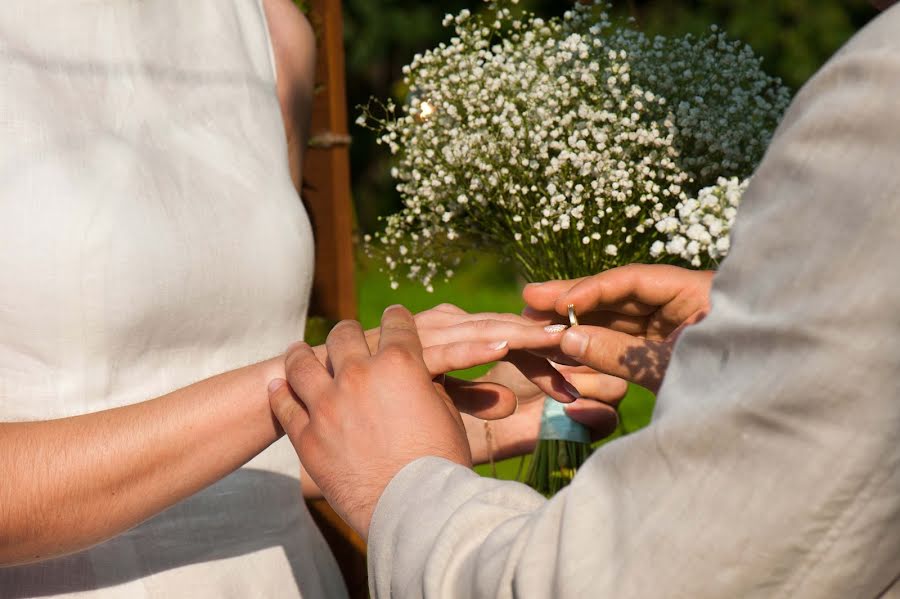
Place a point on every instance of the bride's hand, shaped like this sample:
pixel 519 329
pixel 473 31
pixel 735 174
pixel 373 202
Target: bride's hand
pixel 454 340
pixel 521 369
pixel 596 409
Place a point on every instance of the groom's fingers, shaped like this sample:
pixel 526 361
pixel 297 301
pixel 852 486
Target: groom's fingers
pixel 306 375
pixel 398 329
pixel 346 343
pixel 290 413
pixel 635 289
pixel 542 296
pixel 488 401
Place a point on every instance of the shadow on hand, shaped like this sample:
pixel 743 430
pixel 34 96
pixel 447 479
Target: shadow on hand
pixel 646 364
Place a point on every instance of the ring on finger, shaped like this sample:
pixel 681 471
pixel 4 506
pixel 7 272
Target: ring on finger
pixel 573 319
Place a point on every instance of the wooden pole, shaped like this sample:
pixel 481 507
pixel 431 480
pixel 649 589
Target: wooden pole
pixel 326 172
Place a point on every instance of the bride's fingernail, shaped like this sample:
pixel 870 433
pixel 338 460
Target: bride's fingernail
pixel 555 329
pixel 572 390
pixel 275 385
pixel 499 345
pixel 532 285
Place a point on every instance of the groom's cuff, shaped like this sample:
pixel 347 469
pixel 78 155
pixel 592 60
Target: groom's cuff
pixel 417 507
pixel 408 517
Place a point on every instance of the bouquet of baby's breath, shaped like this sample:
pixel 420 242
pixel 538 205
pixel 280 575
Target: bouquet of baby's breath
pixel 570 146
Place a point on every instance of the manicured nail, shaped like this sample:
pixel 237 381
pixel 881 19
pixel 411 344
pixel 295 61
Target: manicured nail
pixel 275 385
pixel 572 390
pixel 499 345
pixel 574 343
pixel 555 329
pixel 533 285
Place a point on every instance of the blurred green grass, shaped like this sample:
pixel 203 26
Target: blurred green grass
pixel 484 283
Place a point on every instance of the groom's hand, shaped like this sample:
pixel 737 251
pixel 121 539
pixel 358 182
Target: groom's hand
pixel 630 316
pixel 356 428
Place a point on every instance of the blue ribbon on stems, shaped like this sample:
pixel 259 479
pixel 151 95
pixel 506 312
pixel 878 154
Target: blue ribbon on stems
pixel 556 424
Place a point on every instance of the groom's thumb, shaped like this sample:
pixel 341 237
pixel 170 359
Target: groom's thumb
pixel 288 410
pixel 631 358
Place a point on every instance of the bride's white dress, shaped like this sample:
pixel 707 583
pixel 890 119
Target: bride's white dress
pixel 151 237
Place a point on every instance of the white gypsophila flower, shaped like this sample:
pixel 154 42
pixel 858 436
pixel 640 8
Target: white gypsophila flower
pixel 569 145
pixel 725 105
pixel 697 230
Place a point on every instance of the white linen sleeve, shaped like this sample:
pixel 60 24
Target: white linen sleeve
pixel 772 465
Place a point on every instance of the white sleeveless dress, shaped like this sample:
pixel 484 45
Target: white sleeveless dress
pixel 150 237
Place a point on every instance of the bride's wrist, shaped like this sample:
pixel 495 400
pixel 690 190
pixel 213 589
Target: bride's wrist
pixel 273 368
pixel 517 435
pixel 509 437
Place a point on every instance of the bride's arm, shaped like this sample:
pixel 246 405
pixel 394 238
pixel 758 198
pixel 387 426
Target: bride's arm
pixel 71 483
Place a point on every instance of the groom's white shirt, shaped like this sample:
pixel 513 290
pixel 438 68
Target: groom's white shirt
pixel 771 466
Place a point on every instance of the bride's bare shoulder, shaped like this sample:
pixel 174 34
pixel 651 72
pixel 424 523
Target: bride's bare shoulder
pixel 292 36
pixel 294 47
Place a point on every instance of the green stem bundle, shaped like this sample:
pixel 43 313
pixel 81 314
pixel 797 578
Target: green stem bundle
pixel 554 463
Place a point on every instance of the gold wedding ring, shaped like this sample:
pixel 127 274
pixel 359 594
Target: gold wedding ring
pixel 573 320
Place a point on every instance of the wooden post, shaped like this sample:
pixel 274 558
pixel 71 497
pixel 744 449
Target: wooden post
pixel 326 190
pixel 326 172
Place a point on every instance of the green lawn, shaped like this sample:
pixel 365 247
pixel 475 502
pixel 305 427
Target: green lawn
pixel 483 285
